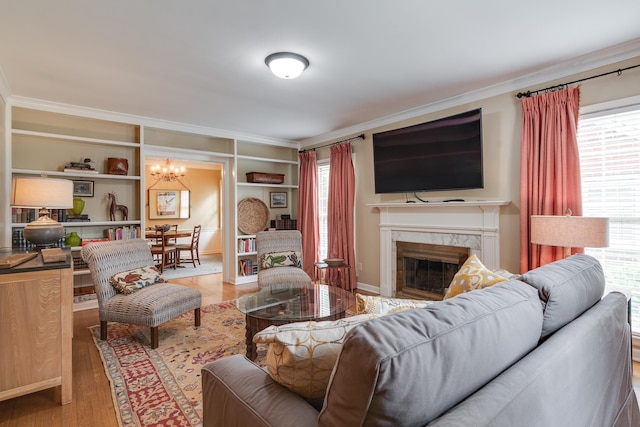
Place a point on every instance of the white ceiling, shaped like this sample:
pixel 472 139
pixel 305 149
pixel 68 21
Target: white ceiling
pixel 201 62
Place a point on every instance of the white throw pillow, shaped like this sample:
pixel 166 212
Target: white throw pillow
pixel 302 355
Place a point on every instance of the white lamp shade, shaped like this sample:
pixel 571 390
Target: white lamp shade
pixel 570 231
pixel 286 65
pixel 27 192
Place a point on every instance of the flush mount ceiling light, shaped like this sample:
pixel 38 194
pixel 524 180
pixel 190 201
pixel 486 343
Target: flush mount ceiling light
pixel 286 65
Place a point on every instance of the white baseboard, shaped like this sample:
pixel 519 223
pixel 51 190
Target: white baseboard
pixel 369 288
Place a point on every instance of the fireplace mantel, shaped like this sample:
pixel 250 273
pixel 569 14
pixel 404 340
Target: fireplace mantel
pixel 472 224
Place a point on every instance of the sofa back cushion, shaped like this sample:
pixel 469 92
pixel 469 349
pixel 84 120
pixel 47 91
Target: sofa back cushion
pixel 409 367
pixel 567 288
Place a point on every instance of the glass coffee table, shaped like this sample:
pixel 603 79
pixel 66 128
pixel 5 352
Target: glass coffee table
pixel 282 304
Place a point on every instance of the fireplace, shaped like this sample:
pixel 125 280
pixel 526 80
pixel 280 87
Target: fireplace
pixel 425 270
pixel 473 226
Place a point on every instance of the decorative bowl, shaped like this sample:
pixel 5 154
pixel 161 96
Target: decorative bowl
pixel 334 262
pixel 164 227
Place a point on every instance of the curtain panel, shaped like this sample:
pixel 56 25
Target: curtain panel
pixel 340 222
pixel 308 210
pixel 549 167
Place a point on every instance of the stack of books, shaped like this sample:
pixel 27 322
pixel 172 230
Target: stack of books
pixel 77 218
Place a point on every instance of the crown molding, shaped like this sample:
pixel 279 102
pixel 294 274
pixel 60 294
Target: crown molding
pixel 55 107
pixel 570 67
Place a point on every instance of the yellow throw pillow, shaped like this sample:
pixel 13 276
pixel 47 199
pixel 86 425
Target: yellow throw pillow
pixel 383 305
pixel 472 275
pixel 302 355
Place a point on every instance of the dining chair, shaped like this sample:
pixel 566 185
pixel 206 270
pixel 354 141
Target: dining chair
pixel 192 248
pixel 165 254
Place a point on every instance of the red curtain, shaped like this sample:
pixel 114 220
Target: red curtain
pixel 549 167
pixel 308 210
pixel 340 221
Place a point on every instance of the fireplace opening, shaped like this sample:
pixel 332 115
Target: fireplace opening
pixel 426 270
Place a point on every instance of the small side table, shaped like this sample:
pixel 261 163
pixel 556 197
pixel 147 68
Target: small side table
pixel 320 273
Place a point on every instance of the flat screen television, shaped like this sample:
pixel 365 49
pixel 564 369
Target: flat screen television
pixel 444 154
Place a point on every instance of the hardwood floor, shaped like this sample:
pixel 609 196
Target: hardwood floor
pixel 92 405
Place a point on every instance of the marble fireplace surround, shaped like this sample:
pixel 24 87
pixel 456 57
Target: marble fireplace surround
pixel 473 224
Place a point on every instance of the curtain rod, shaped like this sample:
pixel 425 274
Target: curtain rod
pixel 361 136
pixel 551 88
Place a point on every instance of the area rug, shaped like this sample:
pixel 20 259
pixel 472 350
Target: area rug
pixel 162 387
pixel 209 264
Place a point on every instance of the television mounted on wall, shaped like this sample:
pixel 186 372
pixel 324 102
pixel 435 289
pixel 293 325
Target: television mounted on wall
pixel 443 154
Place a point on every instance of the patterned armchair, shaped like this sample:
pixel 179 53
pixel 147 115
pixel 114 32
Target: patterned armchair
pixel 280 258
pixel 149 306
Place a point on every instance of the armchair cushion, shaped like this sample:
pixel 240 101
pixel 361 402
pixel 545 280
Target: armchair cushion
pixel 130 281
pixel 281 259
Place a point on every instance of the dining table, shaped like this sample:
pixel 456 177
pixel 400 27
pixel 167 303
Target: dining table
pixel 168 235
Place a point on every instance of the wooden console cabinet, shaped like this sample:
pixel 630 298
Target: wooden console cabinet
pixel 36 328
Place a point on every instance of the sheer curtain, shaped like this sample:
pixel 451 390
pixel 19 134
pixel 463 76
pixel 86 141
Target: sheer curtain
pixel 308 210
pixel 549 167
pixel 341 210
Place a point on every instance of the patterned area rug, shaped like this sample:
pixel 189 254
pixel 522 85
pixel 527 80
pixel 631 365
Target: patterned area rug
pixel 162 387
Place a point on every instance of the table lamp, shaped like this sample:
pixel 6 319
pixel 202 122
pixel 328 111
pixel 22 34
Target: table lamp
pixel 44 194
pixel 570 231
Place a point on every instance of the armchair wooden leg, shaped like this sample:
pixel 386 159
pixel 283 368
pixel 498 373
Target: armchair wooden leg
pixel 154 337
pixel 196 314
pixel 103 330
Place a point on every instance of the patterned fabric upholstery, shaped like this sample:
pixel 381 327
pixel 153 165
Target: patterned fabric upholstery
pixel 150 306
pixel 302 355
pixel 280 241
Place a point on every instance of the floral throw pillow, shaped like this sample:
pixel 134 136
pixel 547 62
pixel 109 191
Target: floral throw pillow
pixel 131 281
pixel 281 259
pixel 472 275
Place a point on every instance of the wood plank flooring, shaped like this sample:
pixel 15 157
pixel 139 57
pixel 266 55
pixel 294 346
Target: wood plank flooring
pixel 92 405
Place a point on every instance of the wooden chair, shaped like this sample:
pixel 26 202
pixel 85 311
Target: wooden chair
pixel 280 241
pixel 166 255
pixel 192 248
pixel 149 306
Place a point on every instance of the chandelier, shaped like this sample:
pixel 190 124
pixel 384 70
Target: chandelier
pixel 167 172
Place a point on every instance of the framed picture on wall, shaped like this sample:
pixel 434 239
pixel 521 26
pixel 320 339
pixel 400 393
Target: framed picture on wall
pixel 277 200
pixel 168 204
pixel 82 188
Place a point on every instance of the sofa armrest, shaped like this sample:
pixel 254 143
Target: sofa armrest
pixel 236 392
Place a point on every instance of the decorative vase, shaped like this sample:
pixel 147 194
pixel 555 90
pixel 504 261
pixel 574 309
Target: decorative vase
pixel 78 206
pixel 73 239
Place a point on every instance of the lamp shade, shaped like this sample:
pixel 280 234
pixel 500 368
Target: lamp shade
pixel 286 65
pixel 570 231
pixel 31 192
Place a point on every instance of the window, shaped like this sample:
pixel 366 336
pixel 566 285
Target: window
pixel 609 144
pixel 323 205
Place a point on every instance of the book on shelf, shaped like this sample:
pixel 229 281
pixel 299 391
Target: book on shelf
pixel 246 245
pixel 123 233
pixel 247 267
pixel 80 170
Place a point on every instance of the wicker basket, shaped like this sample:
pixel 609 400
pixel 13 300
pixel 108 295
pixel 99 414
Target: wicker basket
pixel 253 215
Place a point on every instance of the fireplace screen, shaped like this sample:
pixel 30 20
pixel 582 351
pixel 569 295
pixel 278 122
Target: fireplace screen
pixel 426 270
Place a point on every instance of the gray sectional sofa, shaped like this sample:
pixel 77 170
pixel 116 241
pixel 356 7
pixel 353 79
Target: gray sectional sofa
pixel 546 350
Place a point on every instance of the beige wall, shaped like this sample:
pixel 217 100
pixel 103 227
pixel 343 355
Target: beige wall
pixel 205 199
pixel 501 138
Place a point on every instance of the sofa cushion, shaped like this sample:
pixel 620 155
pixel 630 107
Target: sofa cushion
pixel 302 355
pixel 409 367
pixel 128 282
pixel 471 276
pixel 281 259
pixel 385 305
pixel 567 288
